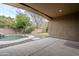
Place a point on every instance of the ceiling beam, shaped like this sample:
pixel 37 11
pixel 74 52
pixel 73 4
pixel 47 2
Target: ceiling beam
pixel 36 10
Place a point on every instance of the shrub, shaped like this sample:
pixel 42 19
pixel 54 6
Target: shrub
pixel 29 30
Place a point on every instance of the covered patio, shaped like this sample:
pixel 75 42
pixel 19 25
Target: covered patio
pixel 63 30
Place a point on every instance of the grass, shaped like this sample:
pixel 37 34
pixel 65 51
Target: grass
pixel 44 33
pixel 39 33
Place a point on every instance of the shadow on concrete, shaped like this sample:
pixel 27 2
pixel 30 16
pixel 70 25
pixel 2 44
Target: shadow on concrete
pixel 15 43
pixel 72 44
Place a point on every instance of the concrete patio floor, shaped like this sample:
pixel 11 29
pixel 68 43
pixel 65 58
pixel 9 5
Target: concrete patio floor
pixel 44 47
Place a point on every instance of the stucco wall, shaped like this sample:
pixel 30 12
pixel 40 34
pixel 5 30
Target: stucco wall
pixel 7 31
pixel 65 27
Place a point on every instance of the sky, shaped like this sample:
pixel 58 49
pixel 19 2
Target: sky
pixel 8 11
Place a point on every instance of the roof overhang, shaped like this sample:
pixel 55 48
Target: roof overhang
pixel 28 8
pixel 48 10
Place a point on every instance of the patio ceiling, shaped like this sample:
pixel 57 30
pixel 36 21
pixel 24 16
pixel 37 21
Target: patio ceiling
pixel 49 10
pixel 54 9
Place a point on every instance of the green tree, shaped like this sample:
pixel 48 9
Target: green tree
pixel 22 22
pixel 6 22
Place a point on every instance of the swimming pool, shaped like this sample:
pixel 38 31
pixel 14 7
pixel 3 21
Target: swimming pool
pixel 12 37
pixel 11 40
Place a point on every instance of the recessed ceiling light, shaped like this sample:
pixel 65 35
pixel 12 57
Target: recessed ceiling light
pixel 60 10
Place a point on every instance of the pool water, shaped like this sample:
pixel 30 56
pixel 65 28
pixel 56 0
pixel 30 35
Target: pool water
pixel 11 37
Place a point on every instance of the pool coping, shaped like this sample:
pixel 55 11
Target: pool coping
pixel 4 44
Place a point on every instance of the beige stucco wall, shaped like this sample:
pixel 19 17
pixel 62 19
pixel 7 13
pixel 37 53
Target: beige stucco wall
pixel 65 27
pixel 7 31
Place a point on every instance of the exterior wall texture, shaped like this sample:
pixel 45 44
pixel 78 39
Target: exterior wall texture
pixel 65 27
pixel 7 31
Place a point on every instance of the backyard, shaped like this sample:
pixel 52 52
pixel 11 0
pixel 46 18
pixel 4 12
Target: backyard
pixel 20 22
